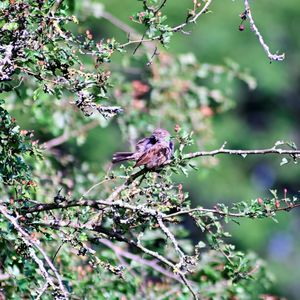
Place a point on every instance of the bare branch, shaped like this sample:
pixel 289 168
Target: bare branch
pixel 171 237
pixel 276 57
pixel 244 153
pixel 194 19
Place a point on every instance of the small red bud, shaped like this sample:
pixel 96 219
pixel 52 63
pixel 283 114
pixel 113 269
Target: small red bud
pixel 23 132
pixel 260 201
pixel 277 203
pixel 241 27
pixel 177 128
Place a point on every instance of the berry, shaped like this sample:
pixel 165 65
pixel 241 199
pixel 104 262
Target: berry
pixel 241 27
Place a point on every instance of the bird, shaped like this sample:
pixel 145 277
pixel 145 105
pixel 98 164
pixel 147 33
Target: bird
pixel 152 152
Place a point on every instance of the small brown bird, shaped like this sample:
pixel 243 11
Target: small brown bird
pixel 151 151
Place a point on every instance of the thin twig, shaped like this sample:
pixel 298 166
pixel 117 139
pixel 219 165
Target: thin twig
pixel 42 291
pixel 171 237
pixel 243 153
pixel 160 7
pixel 276 57
pixel 194 19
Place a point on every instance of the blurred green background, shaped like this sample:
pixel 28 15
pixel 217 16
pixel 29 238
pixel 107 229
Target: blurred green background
pixel 259 118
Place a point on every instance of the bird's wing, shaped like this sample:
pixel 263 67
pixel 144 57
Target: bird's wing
pixel 145 143
pixel 140 145
pixel 154 157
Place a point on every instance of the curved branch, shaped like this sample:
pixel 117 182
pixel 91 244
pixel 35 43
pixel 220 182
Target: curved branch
pixel 276 57
pixel 194 19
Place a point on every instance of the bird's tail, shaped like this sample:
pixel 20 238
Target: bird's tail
pixel 122 156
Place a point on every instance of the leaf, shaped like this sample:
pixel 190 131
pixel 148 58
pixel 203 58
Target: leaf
pixel 36 93
pixel 278 143
pixel 201 244
pixel 292 145
pixel 184 171
pixel 193 166
pixel 284 161
pixel 274 193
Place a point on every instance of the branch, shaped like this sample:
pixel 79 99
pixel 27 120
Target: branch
pixel 141 209
pixel 31 243
pixel 42 291
pixel 150 263
pixel 119 237
pixel 171 237
pixel 170 264
pixel 173 29
pixel 160 7
pixel 243 153
pixel 229 214
pixel 276 57
pixel 136 37
pixel 194 19
pixel 68 135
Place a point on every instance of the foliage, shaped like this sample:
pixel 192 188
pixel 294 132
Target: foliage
pixel 69 232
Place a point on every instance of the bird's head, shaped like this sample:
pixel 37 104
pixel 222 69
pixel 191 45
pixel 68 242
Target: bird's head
pixel 161 134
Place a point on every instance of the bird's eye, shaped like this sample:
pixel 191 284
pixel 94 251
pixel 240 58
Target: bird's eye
pixel 153 139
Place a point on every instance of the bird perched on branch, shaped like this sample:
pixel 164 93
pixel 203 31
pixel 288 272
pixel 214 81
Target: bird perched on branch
pixel 151 151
